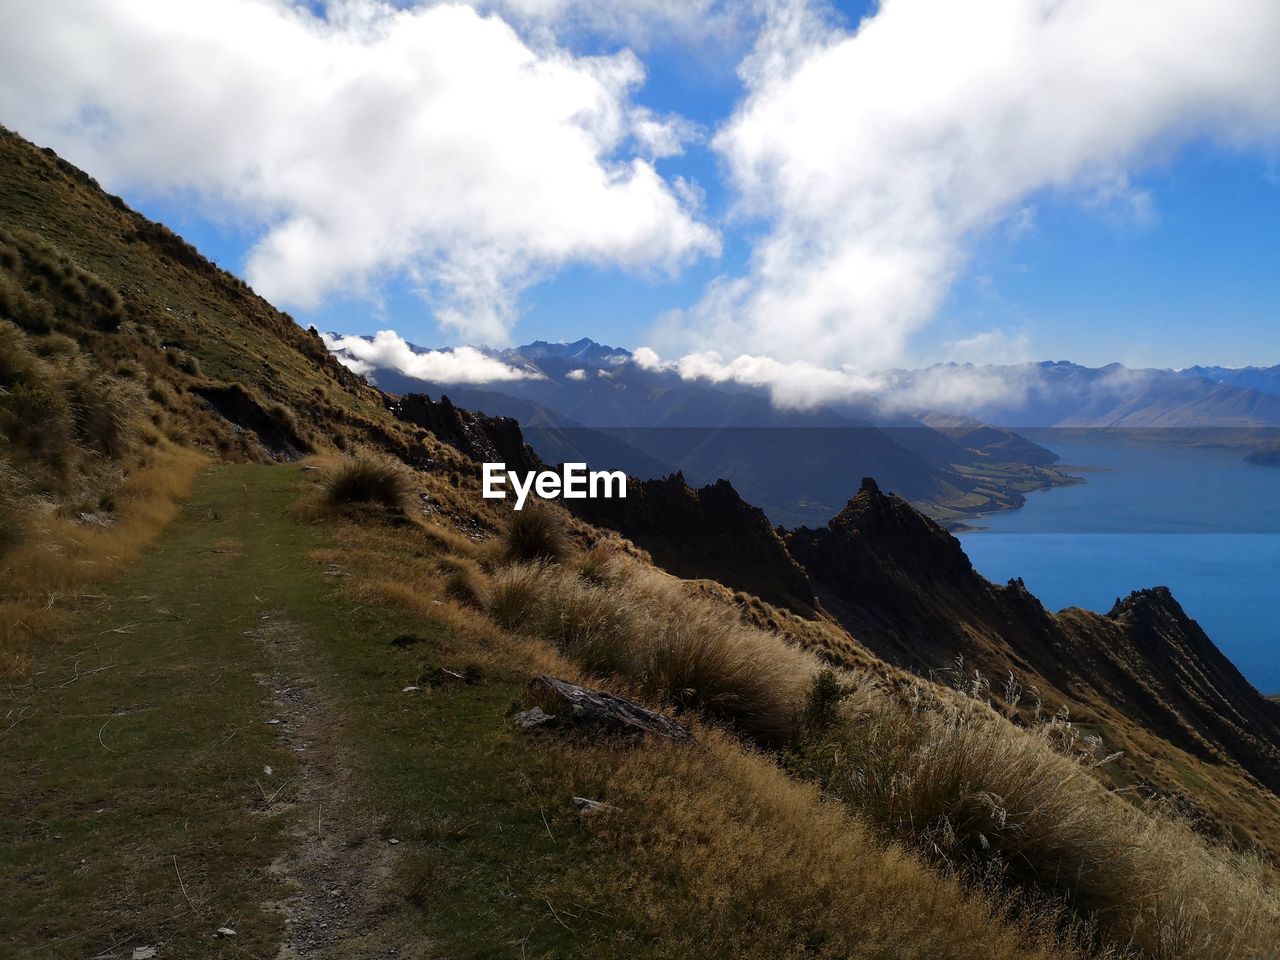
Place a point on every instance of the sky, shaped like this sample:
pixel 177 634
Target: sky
pixel 762 191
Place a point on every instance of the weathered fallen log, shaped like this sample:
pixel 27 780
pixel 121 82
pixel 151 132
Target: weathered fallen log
pixel 565 704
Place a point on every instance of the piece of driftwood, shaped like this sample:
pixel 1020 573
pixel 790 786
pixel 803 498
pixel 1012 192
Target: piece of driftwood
pixel 533 718
pixel 573 705
pixel 586 805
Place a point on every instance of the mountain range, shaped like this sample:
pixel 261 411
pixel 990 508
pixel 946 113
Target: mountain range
pixel 1063 394
pixel 586 401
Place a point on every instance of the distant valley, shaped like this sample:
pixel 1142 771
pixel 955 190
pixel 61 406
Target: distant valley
pixel 591 402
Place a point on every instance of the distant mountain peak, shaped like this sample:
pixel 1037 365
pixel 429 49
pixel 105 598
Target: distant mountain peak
pixel 583 350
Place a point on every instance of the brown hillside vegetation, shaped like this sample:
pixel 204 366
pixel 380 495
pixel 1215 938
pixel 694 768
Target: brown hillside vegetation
pixel 852 789
pixel 1143 678
pixel 126 359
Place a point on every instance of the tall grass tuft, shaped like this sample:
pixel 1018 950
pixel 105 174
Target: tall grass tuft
pixel 466 583
pixel 927 766
pixel 535 533
pixel 971 790
pixel 682 650
pixel 367 480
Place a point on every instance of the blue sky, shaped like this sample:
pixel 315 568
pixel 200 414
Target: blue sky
pixel 1198 284
pixel 1156 242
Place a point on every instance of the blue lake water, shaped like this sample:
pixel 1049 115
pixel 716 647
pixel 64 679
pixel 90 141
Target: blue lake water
pixel 1201 521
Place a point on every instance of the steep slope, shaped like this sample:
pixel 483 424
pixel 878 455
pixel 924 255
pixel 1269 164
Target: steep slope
pixel 1262 379
pixel 210 365
pixel 904 587
pixel 1143 677
pixel 709 533
pixel 383 644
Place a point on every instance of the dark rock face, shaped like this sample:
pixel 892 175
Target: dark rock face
pixel 1183 687
pixel 275 433
pixel 903 586
pixel 484 439
pixel 707 533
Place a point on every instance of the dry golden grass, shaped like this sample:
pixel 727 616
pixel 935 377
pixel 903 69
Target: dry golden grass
pixel 730 848
pixel 367 479
pixel 726 854
pixel 465 582
pixel 671 647
pixel 536 533
pixel 938 771
pixel 968 788
pixel 738 860
pixel 47 574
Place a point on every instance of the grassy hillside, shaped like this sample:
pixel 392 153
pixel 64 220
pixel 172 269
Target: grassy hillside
pixel 126 361
pixel 882 582
pixel 257 684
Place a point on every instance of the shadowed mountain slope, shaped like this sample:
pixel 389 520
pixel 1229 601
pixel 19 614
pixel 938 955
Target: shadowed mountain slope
pixel 710 533
pixel 1144 676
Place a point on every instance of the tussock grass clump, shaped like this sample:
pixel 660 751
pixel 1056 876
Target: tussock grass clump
pixel 926 766
pixel 724 848
pixel 968 788
pixel 42 286
pixel 681 650
pixel 367 480
pixel 515 595
pixel 59 415
pixel 465 582
pixel 535 533
pixel 601 564
pixel 102 409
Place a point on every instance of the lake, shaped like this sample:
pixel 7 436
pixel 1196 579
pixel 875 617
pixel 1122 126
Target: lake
pixel 1198 520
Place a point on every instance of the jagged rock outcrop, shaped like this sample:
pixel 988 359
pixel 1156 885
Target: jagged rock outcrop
pixel 1172 679
pixel 483 438
pixel 903 586
pixel 709 533
pixel 896 580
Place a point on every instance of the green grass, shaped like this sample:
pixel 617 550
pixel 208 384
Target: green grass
pixel 118 781
pixel 127 785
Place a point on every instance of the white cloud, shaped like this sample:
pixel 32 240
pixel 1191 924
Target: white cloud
pixel 876 156
pixel 958 388
pixel 647 358
pixel 433 142
pixel 578 375
pixel 992 346
pixel 799 384
pixel 389 351
pixel 637 23
pixel 794 384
